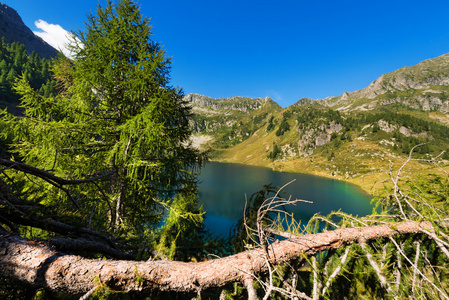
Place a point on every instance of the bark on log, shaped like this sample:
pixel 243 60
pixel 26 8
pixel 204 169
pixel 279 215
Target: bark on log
pixel 36 264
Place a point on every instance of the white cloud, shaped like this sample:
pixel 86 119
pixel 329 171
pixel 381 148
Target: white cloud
pixel 54 35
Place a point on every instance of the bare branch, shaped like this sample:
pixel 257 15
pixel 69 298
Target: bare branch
pixel 418 244
pixel 442 294
pixel 315 290
pixel 89 293
pixel 318 217
pixel 383 281
pixel 337 270
pixel 440 243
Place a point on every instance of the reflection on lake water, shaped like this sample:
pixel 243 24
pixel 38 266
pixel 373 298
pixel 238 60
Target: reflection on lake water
pixel 223 187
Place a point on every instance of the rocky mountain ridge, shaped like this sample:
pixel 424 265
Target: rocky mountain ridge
pixel 236 103
pixel 425 75
pixel 14 30
pixel 422 87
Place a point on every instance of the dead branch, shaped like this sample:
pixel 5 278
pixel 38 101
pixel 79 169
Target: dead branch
pixel 47 175
pixel 418 252
pixel 54 180
pixel 337 270
pixel 443 294
pixel 383 281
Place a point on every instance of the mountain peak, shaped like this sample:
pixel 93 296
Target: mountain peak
pixel 14 30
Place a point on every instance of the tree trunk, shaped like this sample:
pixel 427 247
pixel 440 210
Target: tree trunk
pixel 36 264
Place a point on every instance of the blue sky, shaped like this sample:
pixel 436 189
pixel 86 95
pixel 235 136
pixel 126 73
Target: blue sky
pixel 283 49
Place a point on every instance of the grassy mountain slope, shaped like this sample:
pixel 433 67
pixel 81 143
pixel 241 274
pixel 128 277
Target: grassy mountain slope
pixel 356 137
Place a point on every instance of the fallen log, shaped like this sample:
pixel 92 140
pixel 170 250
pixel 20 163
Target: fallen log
pixel 36 264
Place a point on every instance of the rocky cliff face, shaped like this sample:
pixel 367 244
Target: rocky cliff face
pixel 313 137
pixel 14 30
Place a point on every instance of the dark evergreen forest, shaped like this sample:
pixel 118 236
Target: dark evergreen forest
pixel 15 61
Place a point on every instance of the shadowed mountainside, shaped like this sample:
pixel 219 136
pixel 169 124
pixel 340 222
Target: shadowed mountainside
pixel 14 30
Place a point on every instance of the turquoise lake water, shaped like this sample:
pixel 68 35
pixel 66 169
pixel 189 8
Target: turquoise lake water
pixel 223 187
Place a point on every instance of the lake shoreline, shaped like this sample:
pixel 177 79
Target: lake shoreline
pixel 372 175
pixel 365 185
pixel 279 167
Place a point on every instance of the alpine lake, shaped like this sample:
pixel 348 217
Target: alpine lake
pixel 224 187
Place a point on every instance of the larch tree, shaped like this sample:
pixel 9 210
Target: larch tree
pixel 118 118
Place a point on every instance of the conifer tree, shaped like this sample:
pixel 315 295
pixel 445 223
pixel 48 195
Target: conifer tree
pixel 116 116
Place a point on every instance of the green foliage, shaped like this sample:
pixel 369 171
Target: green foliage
pixel 332 156
pixel 183 228
pixel 446 155
pixel 312 116
pixel 10 290
pixel 116 115
pixel 432 135
pixel 270 125
pixel 415 124
pixel 274 152
pixel 284 126
pixel 139 277
pixel 14 61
